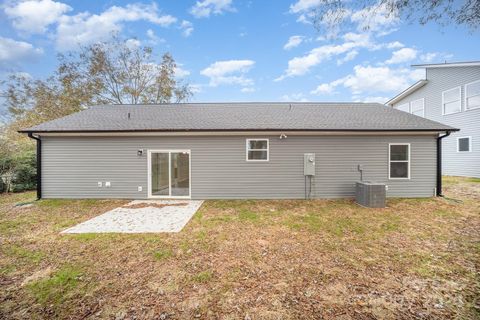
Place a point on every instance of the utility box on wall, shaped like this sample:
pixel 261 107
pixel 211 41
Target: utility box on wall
pixel 309 164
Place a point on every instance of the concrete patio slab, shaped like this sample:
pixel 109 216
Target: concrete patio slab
pixel 142 216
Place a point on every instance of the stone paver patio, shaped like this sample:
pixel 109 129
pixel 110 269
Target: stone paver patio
pixel 142 216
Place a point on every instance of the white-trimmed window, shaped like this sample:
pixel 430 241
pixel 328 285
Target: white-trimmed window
pixel 451 101
pixel 417 107
pixel 257 150
pixel 472 95
pixel 399 161
pixel 404 107
pixel 464 144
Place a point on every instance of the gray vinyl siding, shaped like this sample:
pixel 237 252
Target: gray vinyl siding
pixel 468 121
pixel 72 166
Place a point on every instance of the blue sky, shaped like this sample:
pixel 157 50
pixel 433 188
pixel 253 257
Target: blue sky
pixel 231 50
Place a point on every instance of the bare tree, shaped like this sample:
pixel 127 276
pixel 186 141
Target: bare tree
pixel 122 73
pixel 332 13
pixel 108 72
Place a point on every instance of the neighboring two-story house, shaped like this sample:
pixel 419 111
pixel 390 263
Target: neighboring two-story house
pixel 450 94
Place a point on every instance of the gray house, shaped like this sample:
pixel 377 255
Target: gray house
pixel 450 94
pixel 237 151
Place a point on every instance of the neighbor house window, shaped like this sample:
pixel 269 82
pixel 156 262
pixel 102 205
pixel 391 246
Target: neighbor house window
pixel 451 101
pixel 464 144
pixel 472 95
pixel 404 107
pixel 257 150
pixel 399 161
pixel 417 107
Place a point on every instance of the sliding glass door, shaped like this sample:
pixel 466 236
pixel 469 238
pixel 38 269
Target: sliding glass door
pixel 169 173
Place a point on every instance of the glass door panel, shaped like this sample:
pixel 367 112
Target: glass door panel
pixel 160 179
pixel 170 174
pixel 180 174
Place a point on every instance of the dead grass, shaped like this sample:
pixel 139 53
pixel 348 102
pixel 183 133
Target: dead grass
pixel 418 258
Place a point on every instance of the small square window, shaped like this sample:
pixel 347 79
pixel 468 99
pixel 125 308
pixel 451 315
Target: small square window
pixel 464 144
pixel 257 149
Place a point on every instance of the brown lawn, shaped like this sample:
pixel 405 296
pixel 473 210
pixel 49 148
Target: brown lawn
pixel 319 259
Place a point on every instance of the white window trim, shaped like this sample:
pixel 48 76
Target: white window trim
pixel 469 143
pixel 423 106
pixel 465 97
pixel 443 100
pixel 149 173
pixel 247 143
pixel 390 161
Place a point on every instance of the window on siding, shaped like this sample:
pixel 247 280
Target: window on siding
pixel 472 95
pixel 464 144
pixel 404 107
pixel 399 161
pixel 257 149
pixel 451 101
pixel 417 107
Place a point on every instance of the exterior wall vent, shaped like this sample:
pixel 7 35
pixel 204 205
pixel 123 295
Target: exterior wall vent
pixel 370 194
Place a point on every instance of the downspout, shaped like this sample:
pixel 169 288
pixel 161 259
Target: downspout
pixel 39 164
pixel 439 163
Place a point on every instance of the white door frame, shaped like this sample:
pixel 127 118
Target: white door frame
pixel 149 164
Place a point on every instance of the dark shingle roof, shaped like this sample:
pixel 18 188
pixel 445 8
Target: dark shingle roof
pixel 240 116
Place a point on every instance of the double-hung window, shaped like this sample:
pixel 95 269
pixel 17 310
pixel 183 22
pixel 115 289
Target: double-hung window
pixel 417 107
pixel 257 150
pixel 451 101
pixel 399 161
pixel 404 107
pixel 472 95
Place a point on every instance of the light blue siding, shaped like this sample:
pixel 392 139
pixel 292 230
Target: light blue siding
pixel 468 121
pixel 72 166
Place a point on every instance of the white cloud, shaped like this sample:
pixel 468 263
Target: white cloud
pixel 324 88
pixel 369 79
pixel 435 56
pixel 294 97
pixel 229 72
pixel 293 42
pixel 180 72
pixel 402 55
pixel 301 65
pixel 348 57
pixel 394 45
pixel 133 43
pixel 247 90
pixel 86 28
pixel 187 28
pixel 304 5
pixel 153 39
pixel 13 52
pixel 35 16
pixel 205 8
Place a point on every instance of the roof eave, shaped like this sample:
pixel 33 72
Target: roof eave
pixel 417 85
pixel 241 130
pixel 448 65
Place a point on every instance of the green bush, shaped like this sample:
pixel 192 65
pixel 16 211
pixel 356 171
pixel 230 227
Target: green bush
pixel 24 171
